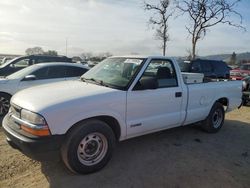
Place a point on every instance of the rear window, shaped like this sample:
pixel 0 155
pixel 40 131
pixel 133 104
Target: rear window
pixel 52 72
pixel 184 65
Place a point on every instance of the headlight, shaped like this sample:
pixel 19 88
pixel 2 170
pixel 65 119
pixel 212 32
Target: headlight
pixel 34 123
pixel 32 117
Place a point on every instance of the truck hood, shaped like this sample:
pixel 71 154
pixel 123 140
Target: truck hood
pixel 46 97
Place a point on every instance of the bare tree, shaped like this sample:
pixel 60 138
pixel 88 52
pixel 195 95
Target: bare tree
pixel 205 14
pixel 160 21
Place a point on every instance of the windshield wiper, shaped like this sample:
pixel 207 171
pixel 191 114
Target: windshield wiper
pixel 93 80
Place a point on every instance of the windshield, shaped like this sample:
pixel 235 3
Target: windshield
pixel 4 62
pixel 22 73
pixel 114 72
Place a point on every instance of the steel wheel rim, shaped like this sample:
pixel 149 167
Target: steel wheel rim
pixel 217 118
pixel 92 149
pixel 4 105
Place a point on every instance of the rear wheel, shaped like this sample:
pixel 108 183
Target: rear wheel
pixel 4 103
pixel 88 147
pixel 215 119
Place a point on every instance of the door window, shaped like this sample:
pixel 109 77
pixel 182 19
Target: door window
pixel 52 72
pixel 57 72
pixel 22 63
pixel 163 71
pixel 41 73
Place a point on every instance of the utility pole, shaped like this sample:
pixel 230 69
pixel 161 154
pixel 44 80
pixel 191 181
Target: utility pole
pixel 66 47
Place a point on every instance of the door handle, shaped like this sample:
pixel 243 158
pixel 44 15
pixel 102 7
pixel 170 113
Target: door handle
pixel 178 94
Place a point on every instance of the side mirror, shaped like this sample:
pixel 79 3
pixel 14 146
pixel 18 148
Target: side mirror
pixel 146 83
pixel 29 78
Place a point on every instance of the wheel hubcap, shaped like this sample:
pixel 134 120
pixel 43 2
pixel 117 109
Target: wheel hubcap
pixel 4 105
pixel 92 149
pixel 217 118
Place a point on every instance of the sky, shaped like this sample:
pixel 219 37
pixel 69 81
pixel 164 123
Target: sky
pixel 116 26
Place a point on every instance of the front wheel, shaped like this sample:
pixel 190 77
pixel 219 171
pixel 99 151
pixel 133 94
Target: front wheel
pixel 88 147
pixel 215 119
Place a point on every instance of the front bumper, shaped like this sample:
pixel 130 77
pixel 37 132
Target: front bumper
pixel 38 148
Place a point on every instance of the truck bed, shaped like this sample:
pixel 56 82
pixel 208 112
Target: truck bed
pixel 201 97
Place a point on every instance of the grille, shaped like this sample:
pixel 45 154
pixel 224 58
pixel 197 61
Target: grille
pixel 15 111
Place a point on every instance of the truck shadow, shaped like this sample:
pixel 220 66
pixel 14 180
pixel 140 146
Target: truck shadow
pixel 179 157
pixel 1 120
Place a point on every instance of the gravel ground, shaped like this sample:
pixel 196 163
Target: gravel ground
pixel 179 157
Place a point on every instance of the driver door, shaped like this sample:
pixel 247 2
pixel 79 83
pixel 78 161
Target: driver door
pixel 149 110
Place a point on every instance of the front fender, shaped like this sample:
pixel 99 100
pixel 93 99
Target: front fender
pixel 59 126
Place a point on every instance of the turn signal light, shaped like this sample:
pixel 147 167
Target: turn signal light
pixel 36 132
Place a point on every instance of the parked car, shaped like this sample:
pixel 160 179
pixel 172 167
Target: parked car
pixel 25 61
pixel 241 72
pixel 210 68
pixel 120 98
pixel 246 90
pixel 36 75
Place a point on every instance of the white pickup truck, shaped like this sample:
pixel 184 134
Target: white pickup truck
pixel 120 98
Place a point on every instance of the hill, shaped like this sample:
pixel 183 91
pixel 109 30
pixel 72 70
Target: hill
pixel 226 57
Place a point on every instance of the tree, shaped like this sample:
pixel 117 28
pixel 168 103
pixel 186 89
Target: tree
pixel 34 51
pixel 86 56
pixel 105 54
pixel 189 56
pixel 205 14
pixel 51 53
pixel 160 21
pixel 232 60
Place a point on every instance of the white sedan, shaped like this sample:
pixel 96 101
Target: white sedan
pixel 36 75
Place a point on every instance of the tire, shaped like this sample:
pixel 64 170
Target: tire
pixel 215 119
pixel 4 104
pixel 88 147
pixel 244 102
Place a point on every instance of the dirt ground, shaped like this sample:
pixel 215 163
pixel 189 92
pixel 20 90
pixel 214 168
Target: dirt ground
pixel 180 157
